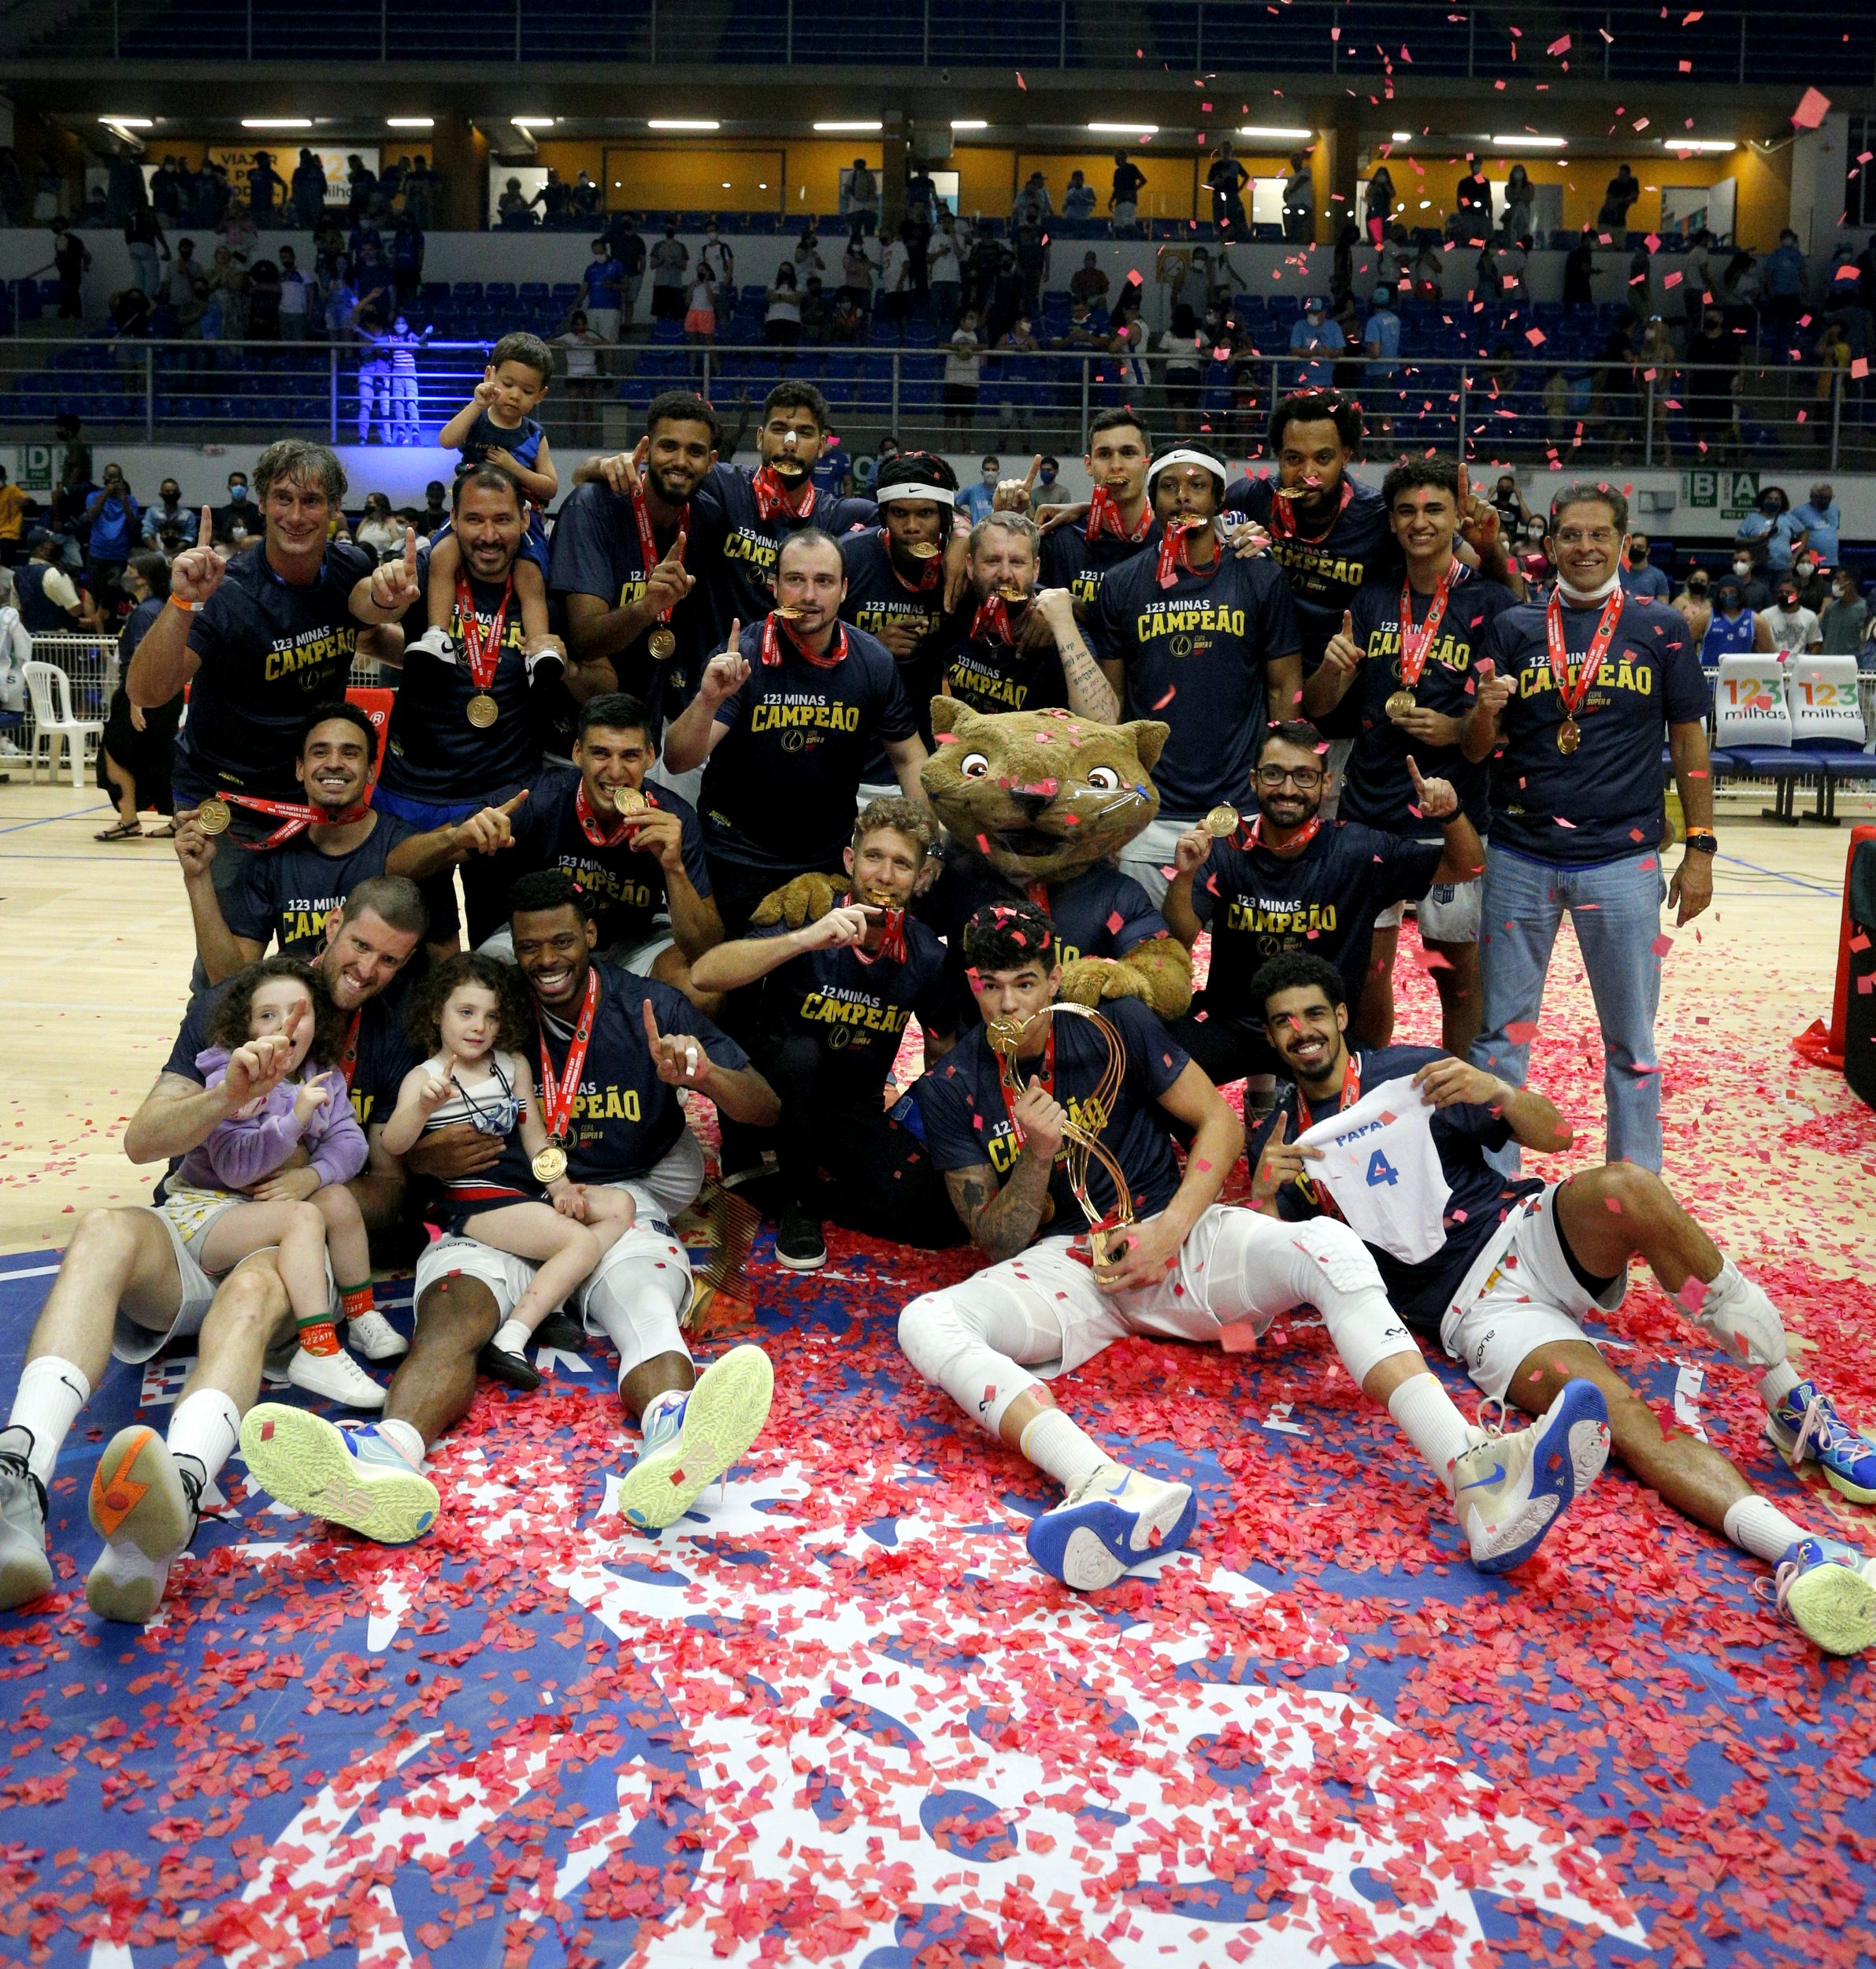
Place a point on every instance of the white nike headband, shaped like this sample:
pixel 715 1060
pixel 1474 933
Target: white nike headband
pixel 909 489
pixel 1205 462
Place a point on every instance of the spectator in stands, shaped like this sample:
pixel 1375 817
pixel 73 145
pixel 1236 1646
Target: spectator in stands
pixel 72 262
pixel 265 188
pixel 137 746
pixel 340 304
pixel 781 317
pixel 1793 626
pixel 1713 359
pixel 298 295
pixel 1737 625
pixel 580 349
pixel 1123 200
pixel 1844 616
pixel 129 318
pixel 1381 347
pixel 1521 196
pixel 513 213
pixel 1783 288
pixel 1078 201
pixel 264 293
pixel 143 239
pixel 1429 273
pixel 1182 366
pixel 700 313
pixel 975 502
pixel 113 522
pixel 1622 192
pixel 944 273
pixel 14 503
pixel 1378 204
pixel 584 199
pixel 626 244
pixel 378 532
pixel 670 263
pixel 421 191
pixel 309 191
pixel 1030 237
pixel 552 199
pixel 860 197
pixel 1311 332
pixel 1639 575
pixel 329 247
pixel 1088 283
pixel 963 366
pixel 1579 272
pixel 895 281
pixel 807 254
pixel 1770 532
pixel 856 270
pixel 718 257
pixel 1471 223
pixel 1655 362
pixel 1739 294
pixel 601 292
pixel 1695 605
pixel 50 601
pixel 1299 202
pixel 1031 203
pixel 1227 180
pixel 1821 521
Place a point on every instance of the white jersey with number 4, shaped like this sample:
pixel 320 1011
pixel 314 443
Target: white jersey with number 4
pixel 1380 1167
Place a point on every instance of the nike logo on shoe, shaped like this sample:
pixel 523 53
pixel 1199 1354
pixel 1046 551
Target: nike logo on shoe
pixel 1497 1477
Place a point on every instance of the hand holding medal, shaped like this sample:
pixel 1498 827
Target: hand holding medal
pixel 1416 645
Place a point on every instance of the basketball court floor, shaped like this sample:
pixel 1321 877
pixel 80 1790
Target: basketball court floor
pixel 836 1716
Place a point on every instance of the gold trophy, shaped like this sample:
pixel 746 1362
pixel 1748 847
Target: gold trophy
pixel 1107 1233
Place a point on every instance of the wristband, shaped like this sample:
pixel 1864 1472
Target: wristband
pixel 1702 841
pixel 188 608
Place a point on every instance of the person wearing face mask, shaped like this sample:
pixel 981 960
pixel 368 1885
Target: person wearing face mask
pixel 1694 604
pixel 1311 332
pixel 1734 629
pixel 168 511
pixel 1754 592
pixel 1582 692
pixel 239 509
pixel 1822 520
pixel 976 500
pixel 1639 576
pixel 1771 533
pixel 1844 616
pixel 1792 625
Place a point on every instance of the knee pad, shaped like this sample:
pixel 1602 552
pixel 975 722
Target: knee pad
pixel 1332 1250
pixel 635 1298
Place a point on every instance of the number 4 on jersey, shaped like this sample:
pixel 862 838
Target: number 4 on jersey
pixel 1380 1170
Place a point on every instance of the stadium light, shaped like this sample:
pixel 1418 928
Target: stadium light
pixel 277 122
pixel 859 126
pixel 1400 136
pixel 411 123
pixel 682 123
pixel 969 123
pixel 1526 142
pixel 1280 129
pixel 149 123
pixel 533 123
pixel 1126 129
pixel 1713 144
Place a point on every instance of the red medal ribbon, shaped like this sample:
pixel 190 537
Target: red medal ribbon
pixel 1416 646
pixel 773 497
pixel 483 656
pixel 1252 836
pixel 1283 517
pixel 557 1093
pixel 1007 1076
pixel 348 1055
pixel 892 948
pixel 1104 517
pixel 590 824
pixel 1592 657
pixel 772 655
pixel 1174 555
pixel 930 572
pixel 1351 1092
pixel 649 556
pixel 991 622
pixel 298 816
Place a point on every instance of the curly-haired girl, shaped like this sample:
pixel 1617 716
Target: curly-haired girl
pixel 470 1018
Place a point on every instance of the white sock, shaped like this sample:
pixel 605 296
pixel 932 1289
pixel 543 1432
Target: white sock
pixel 206 1426
pixel 1425 1414
pixel 1056 1445
pixel 1777 1383
pixel 513 1336
pixel 1762 1529
pixel 404 1437
pixel 658 1404
pixel 50 1394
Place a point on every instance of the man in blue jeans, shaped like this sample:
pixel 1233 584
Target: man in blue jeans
pixel 1581 689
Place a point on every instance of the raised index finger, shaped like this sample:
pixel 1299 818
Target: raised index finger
pixel 410 551
pixel 204 535
pixel 508 806
pixel 651 1031
pixel 1034 467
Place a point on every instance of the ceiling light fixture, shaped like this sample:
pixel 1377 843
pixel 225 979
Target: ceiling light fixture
pixel 277 122
pixel 409 123
pixel 1284 131
pixel 857 126
pixel 1126 129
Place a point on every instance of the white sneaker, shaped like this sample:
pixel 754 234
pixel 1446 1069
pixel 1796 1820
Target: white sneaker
pixel 375 1337
pixel 1508 1491
pixel 25 1571
pixel 692 1443
pixel 355 1478
pixel 1113 1520
pixel 337 1377
pixel 437 643
pixel 145 1509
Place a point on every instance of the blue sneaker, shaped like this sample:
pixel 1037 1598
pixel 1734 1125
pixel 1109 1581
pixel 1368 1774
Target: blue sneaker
pixel 1824 1588
pixel 1113 1519
pixel 1808 1430
pixel 690 1443
pixel 1508 1491
pixel 354 1478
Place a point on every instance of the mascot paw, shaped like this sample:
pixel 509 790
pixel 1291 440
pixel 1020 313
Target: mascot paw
pixel 805 899
pixel 1088 980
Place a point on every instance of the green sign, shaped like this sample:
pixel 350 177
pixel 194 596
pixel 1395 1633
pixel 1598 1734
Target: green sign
pixel 32 468
pixel 1732 495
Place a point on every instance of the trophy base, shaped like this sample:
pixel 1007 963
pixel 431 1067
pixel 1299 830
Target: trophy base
pixel 1107 1244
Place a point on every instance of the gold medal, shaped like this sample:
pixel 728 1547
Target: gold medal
pixel 786 612
pixel 213 816
pixel 1399 703
pixel 1570 736
pixel 924 550
pixel 1221 821
pixel 629 801
pixel 662 643
pixel 550 1164
pixel 483 711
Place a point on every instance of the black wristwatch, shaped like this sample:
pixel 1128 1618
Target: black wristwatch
pixel 1706 842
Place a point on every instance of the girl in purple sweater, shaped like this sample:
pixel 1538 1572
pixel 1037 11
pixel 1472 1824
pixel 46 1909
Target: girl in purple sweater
pixel 224 1198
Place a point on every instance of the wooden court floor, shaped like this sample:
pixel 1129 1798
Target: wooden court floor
pixel 95 951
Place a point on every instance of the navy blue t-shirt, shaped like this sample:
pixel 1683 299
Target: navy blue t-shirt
pixel 876 595
pixel 1100 912
pixel 385 1053
pixel 270 649
pixel 1071 560
pixel 967 1120
pixel 285 894
pixel 596 550
pixel 856 1009
pixel 432 752
pixel 1324 900
pixel 1605 800
pixel 522 443
pixel 778 790
pixel 1378 791
pixel 991 676
pixel 625 1120
pixel 1194 655
pixel 1325 574
pixel 624 888
pixel 1480 1198
pixel 739 546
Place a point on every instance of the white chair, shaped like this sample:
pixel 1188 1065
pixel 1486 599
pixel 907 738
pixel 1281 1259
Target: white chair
pixel 49 693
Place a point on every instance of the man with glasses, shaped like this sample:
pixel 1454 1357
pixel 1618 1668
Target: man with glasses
pixel 1287 881
pixel 1585 687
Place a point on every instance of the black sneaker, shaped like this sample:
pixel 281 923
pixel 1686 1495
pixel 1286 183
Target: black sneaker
pixel 798 1245
pixel 561 1332
pixel 517 1370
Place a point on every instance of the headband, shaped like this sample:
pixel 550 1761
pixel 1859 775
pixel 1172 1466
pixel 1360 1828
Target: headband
pixel 910 489
pixel 1205 462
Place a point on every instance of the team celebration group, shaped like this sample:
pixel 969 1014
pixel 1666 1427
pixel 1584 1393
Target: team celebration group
pixel 707 795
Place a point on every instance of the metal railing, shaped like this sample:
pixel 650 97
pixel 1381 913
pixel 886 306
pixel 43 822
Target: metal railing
pixel 1764 414
pixel 1333 38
